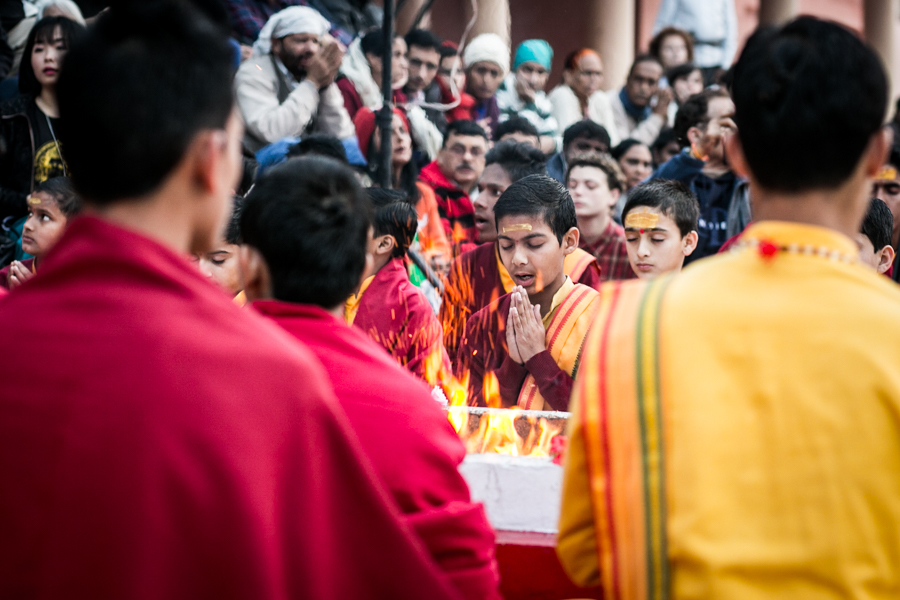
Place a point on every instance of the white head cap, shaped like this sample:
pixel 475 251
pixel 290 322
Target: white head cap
pixel 487 47
pixel 290 21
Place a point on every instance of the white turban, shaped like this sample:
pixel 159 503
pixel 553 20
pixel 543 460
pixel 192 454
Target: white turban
pixel 487 47
pixel 290 21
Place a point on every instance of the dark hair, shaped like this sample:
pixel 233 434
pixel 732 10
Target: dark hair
pixel 538 195
pixel 319 144
pixel 422 38
pixel 695 113
pixel 656 42
pixel 518 160
pixel 249 170
pixel 42 32
pixel 681 71
pixel 394 216
pixel 464 127
pixel 878 224
pixel 233 228
pixel 666 135
pixel 672 198
pixel 122 98
pixel 515 125
pixel 642 58
pixel 62 190
pixel 894 156
pixel 407 180
pixel 624 146
pixel 615 180
pixel 310 219
pixel 372 42
pixel 586 129
pixel 449 48
pixel 791 80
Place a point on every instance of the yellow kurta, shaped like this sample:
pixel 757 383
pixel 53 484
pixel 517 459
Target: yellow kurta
pixel 779 386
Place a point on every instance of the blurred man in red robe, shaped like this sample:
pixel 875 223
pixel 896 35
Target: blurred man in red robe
pixel 154 442
pixel 316 241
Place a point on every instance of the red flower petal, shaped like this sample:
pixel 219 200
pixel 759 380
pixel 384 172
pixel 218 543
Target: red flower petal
pixel 767 250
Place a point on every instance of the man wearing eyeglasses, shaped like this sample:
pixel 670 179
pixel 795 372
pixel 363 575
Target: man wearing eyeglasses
pixel 453 177
pixel 886 186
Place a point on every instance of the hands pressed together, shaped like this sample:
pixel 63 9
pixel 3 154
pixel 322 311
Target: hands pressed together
pixel 525 334
pixel 18 273
pixel 323 67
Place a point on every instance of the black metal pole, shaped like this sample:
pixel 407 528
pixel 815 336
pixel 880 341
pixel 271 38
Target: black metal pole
pixel 385 116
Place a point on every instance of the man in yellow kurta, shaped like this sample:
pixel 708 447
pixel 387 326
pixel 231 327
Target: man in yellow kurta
pixel 736 428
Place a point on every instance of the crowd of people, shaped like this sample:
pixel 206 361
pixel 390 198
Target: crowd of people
pixel 230 341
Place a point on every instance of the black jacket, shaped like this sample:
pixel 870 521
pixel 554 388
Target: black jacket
pixel 17 163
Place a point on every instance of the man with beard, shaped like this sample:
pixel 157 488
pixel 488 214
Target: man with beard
pixel 701 126
pixel 287 88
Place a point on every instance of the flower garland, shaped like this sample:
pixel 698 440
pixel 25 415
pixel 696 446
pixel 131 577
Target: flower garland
pixel 768 250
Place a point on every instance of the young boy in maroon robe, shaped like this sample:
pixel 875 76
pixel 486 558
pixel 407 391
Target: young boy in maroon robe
pixel 154 440
pixel 478 277
pixel 523 348
pixel 388 307
pixel 404 432
pixel 50 207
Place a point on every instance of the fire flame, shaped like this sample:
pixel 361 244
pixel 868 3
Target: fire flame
pixel 501 431
pixel 504 432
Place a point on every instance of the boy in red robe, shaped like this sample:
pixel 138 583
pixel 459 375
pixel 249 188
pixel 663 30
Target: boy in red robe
pixel 523 348
pixel 404 432
pixel 388 307
pixel 51 206
pixel 478 277
pixel 154 442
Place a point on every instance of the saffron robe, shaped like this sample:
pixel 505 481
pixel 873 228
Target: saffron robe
pixel 409 440
pixel 544 382
pixel 478 277
pixel 157 441
pixel 395 313
pixel 735 430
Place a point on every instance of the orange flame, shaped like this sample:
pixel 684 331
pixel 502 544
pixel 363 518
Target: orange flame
pixel 505 432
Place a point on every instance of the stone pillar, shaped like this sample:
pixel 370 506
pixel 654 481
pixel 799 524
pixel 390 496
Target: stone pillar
pixel 773 12
pixel 611 32
pixel 880 21
pixel 493 17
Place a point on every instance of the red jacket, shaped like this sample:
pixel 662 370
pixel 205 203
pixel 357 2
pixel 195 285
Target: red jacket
pixel 454 205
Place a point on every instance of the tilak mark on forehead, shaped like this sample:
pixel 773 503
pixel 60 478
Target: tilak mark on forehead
pixel 641 220
pixel 887 173
pixel 517 227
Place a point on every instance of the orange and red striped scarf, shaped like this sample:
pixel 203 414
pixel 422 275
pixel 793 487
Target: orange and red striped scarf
pixel 622 411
